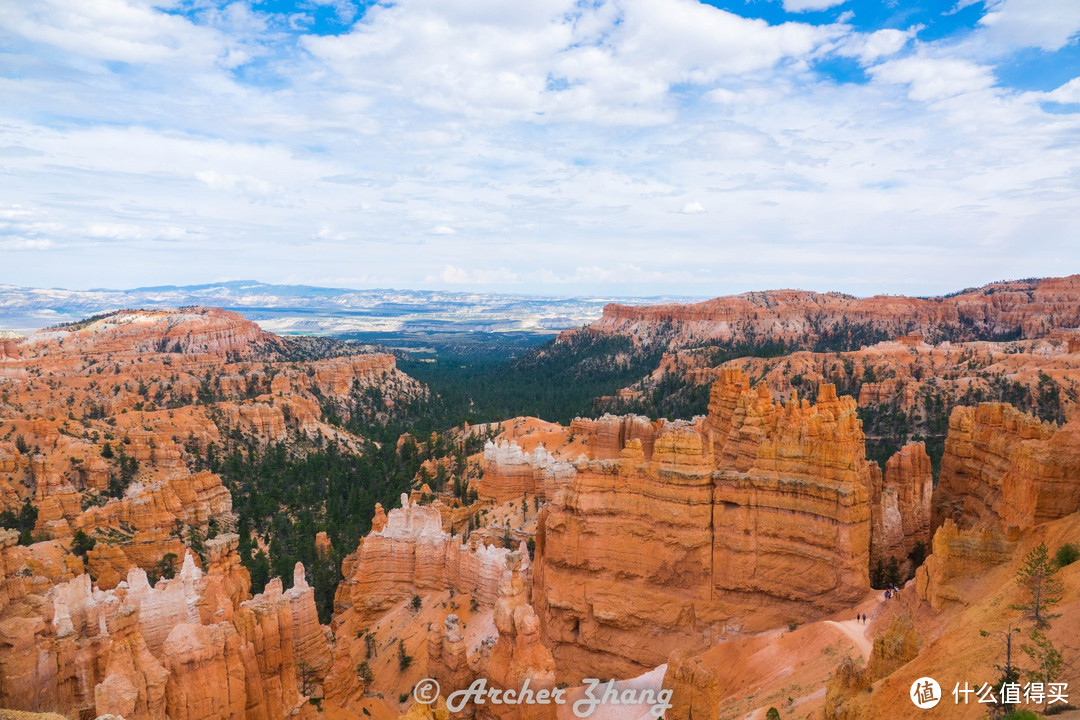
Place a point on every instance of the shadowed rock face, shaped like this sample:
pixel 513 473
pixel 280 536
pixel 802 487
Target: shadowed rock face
pixel 900 506
pixel 754 515
pixel 1005 466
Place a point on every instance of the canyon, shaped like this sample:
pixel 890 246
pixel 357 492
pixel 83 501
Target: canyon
pixel 721 556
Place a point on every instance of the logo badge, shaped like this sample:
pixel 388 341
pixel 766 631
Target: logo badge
pixel 925 693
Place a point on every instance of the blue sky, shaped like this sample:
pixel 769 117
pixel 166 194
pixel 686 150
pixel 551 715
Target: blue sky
pixel 551 147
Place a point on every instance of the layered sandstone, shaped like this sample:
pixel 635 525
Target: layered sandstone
pixel 190 647
pixel 1002 465
pixel 192 331
pixel 107 426
pixel 900 505
pixel 413 554
pixel 606 436
pixel 519 655
pixel 448 655
pixel 758 514
pixel 511 474
pixel 1024 309
pixel 958 555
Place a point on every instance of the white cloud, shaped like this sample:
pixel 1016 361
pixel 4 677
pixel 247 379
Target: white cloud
pixel 253 188
pixel 930 79
pixel 620 273
pixel 18 243
pixel 1067 93
pixel 870 47
pixel 611 62
pixel 1045 24
pixel 794 6
pixel 453 275
pixel 562 135
pixel 130 31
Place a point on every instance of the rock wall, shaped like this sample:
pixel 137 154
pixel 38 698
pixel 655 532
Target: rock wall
pixel 900 505
pixel 957 554
pixel 519 654
pixel 605 437
pixel 192 331
pixel 510 474
pixel 1001 465
pixel 793 529
pixel 758 514
pixel 1027 309
pixel 412 554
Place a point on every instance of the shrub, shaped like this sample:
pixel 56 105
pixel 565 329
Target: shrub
pixel 404 659
pixel 1022 715
pixel 1067 554
pixel 364 672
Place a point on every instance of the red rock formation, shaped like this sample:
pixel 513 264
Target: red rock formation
pixel 152 512
pixel 1032 308
pixel 794 527
pixel 607 436
pixel 448 660
pixel 134 684
pixel 323 546
pixel 138 394
pixel 956 555
pixel 207 677
pixel 9 348
pixel 755 516
pixel 190 647
pixel 413 554
pixel 192 331
pixel 310 645
pixel 1002 465
pixel 339 376
pixel 511 474
pixel 519 654
pixel 900 505
pixel 263 419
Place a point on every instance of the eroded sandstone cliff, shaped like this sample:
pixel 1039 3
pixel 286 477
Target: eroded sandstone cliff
pixel 1002 465
pixel 758 514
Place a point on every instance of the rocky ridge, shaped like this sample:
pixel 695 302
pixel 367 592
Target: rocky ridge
pixel 104 606
pixel 1020 309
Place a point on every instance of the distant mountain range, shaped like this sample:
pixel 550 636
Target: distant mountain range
pixel 307 310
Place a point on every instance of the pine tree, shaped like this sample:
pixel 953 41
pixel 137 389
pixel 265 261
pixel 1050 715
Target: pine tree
pixel 892 577
pixel 1047 659
pixel 1009 673
pixel 877 575
pixel 1041 589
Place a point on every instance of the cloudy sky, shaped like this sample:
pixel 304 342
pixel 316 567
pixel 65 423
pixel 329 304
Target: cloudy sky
pixel 540 146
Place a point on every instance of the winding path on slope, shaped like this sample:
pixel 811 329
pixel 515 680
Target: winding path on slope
pixel 855 630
